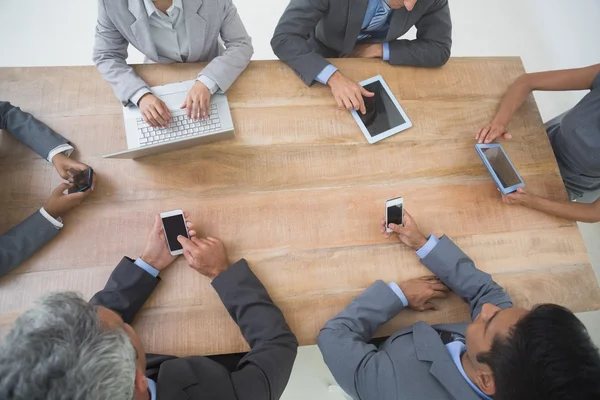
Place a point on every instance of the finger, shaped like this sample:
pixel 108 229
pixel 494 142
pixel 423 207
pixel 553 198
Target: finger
pixel 158 117
pixel 94 180
pixel 440 287
pixel 186 214
pixel 355 102
pixel 157 226
pixel 363 109
pixel 366 93
pixel 347 103
pixel 339 102
pixel 150 119
pixel 190 225
pixel 206 107
pixel 492 134
pixel 430 278
pixel 164 112
pixel 155 117
pixel 439 295
pixel 520 190
pixel 188 106
pixel 483 134
pixel 397 228
pixel 61 188
pixel 507 136
pixel 429 306
pixel 186 243
pixel 188 256
pixel 212 239
pixel 192 233
pixel 76 198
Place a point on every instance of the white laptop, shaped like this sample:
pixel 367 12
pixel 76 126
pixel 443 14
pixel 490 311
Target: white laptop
pixel 144 140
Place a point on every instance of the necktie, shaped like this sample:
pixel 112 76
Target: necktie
pixel 449 337
pixel 379 19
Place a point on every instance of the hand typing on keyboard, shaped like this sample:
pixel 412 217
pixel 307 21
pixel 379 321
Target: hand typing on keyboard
pixel 197 102
pixel 181 127
pixel 154 110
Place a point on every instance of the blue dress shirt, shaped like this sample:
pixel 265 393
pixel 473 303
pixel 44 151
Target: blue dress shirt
pixel 146 267
pixel 151 388
pixel 329 70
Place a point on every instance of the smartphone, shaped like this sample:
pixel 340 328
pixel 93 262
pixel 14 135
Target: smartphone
pixel 174 225
pixel 393 212
pixel 82 181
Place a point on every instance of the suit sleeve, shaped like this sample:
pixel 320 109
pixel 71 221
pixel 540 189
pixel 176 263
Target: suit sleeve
pixel 22 241
pixel 432 46
pixel 126 291
pixel 264 372
pixel 28 130
pixel 458 272
pixel 226 68
pixel 110 55
pixel 290 40
pixel 343 342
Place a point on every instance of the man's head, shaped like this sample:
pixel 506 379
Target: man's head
pixel 545 353
pixel 64 348
pixel 408 4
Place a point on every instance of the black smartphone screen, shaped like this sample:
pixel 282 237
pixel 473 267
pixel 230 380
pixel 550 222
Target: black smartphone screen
pixel 174 226
pixel 382 114
pixel 394 214
pixel 82 181
pixel 501 166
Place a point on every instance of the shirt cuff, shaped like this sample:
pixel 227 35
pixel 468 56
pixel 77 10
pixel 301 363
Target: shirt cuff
pixel 426 249
pixel 67 149
pixel 146 267
pixel 386 51
pixel 56 222
pixel 325 74
pixel 135 99
pixel 209 83
pixel 399 293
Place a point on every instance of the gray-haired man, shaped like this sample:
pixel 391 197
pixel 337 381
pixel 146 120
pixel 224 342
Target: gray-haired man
pixel 66 348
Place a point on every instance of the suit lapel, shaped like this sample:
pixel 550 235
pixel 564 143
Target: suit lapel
pixel 174 378
pixel 429 347
pixel 356 16
pixel 141 29
pixel 195 26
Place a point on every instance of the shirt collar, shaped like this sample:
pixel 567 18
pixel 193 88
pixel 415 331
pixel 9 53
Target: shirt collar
pixel 151 388
pixel 456 349
pixel 151 8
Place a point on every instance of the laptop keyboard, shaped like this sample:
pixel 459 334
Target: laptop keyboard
pixel 180 127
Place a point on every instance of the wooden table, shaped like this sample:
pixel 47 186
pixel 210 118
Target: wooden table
pixel 299 193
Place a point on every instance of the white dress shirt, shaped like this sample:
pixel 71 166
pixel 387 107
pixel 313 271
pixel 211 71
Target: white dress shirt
pixel 170 37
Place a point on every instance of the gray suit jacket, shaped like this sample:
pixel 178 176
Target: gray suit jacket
pixel 310 30
pixel 20 242
pixel 121 22
pixel 413 363
pixel 262 373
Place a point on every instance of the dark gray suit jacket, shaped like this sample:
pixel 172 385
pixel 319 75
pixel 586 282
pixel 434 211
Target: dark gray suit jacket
pixel 261 374
pixel 310 30
pixel 20 242
pixel 413 363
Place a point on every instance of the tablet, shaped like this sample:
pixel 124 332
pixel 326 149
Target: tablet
pixel 384 116
pixel 501 169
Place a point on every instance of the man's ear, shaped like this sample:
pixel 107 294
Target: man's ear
pixel 141 383
pixel 485 382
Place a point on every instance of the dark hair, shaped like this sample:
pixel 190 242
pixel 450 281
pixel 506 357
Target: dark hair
pixel 547 355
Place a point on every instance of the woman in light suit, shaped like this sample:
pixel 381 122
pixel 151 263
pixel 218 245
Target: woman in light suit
pixel 168 31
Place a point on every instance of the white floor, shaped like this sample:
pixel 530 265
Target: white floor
pixel 547 34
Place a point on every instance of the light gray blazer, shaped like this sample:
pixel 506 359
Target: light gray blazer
pixel 20 242
pixel 310 30
pixel 121 22
pixel 413 363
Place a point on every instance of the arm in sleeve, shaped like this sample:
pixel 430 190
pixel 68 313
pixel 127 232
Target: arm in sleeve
pixel 290 40
pixel 432 46
pixel 459 273
pixel 226 68
pixel 29 131
pixel 264 372
pixel 110 55
pixel 343 341
pixel 127 289
pixel 22 241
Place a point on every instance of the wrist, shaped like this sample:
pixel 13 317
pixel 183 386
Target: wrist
pixel 379 50
pixel 212 274
pixel 420 242
pixel 51 212
pixel 152 262
pixel 334 78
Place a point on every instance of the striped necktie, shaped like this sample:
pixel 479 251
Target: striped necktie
pixel 379 19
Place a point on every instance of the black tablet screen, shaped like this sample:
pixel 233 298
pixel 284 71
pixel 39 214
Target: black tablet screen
pixel 501 166
pixel 382 114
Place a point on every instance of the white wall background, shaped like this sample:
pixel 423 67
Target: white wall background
pixel 547 34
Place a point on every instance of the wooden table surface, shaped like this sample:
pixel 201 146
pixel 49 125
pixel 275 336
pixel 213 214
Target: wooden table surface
pixel 299 193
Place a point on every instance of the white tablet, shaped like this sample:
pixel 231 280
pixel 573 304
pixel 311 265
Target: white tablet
pixel 384 116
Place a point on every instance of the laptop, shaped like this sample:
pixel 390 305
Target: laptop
pixel 144 140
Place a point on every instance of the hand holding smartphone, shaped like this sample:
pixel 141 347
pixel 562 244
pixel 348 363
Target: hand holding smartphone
pixel 82 181
pixel 393 213
pixel 174 225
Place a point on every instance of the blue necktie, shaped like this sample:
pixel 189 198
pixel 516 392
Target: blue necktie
pixel 379 19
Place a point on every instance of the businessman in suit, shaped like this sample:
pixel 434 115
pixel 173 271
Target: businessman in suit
pixel 311 30
pixel 22 241
pixel 66 348
pixel 169 31
pixel 505 353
